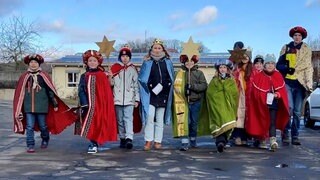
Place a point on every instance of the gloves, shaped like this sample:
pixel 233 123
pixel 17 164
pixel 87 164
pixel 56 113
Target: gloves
pixel 187 89
pixel 291 71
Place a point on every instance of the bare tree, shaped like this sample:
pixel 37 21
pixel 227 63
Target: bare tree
pixel 17 38
pixel 203 48
pixel 174 45
pixel 314 43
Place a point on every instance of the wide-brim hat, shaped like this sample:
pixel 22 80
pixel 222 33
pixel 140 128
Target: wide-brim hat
pixel 298 29
pixel 36 57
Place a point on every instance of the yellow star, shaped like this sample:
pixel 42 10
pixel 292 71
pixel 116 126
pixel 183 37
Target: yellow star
pixel 190 48
pixel 236 55
pixel 106 47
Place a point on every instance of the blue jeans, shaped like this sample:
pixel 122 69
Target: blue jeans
pixel 125 121
pixel 194 110
pixel 296 94
pixel 41 119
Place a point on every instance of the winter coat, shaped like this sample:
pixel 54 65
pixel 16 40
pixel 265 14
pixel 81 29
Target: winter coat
pixel 125 85
pixel 198 83
pixel 303 69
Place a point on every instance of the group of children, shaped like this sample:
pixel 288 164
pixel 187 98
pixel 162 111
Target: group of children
pixel 243 98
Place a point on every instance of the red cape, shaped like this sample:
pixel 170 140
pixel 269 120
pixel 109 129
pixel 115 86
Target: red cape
pixel 100 123
pixel 258 121
pixel 56 121
pixel 116 68
pixel 137 124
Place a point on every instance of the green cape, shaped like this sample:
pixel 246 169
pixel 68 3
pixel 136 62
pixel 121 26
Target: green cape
pixel 219 108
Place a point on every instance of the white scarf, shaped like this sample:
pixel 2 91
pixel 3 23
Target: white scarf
pixel 34 75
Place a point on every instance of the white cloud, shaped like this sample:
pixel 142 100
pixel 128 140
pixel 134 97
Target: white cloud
pixel 54 26
pixel 180 26
pixel 181 21
pixel 311 3
pixel 206 15
pixel 176 16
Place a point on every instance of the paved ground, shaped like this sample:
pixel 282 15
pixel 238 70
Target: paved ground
pixel 66 158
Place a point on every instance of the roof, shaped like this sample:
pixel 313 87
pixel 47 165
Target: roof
pixel 137 58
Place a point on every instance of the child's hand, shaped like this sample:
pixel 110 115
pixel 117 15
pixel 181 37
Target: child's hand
pixel 110 73
pixel 20 117
pixel 136 104
pixel 277 95
pixel 55 109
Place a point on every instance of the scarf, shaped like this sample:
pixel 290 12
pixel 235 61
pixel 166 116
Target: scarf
pixel 157 57
pixel 34 75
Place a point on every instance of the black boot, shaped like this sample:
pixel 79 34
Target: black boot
pixel 129 143
pixel 122 143
pixel 220 147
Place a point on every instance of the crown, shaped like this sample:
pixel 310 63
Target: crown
pixel 157 41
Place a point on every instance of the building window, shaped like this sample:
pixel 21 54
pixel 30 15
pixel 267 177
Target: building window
pixel 73 79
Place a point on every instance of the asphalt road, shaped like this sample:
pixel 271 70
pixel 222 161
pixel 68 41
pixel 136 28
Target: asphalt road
pixel 66 158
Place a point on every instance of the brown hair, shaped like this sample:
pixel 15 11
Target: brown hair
pixel 248 69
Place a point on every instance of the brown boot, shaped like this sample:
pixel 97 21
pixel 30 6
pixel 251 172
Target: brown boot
pixel 147 146
pixel 157 145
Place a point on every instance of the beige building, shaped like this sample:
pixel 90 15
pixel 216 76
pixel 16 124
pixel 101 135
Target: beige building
pixel 66 71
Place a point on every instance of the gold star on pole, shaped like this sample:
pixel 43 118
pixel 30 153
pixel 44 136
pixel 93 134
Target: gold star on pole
pixel 106 47
pixel 190 48
pixel 236 55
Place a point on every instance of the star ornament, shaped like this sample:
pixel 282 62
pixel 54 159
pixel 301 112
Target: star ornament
pixel 190 48
pixel 106 46
pixel 236 55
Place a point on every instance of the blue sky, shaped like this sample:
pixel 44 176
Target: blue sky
pixel 75 25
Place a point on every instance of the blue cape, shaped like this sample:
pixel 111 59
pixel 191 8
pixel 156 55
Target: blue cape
pixel 145 94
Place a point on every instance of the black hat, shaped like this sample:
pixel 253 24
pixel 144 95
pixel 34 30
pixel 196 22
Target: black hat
pixel 258 58
pixel 125 51
pixel 238 45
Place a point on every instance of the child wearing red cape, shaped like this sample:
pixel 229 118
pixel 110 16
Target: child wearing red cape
pixel 96 99
pixel 36 105
pixel 269 108
pixel 126 97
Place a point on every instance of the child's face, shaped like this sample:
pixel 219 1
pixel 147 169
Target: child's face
pixel 125 59
pixel 157 49
pixel 245 59
pixel 297 38
pixel 258 65
pixel 223 69
pixel 189 64
pixel 270 66
pixel 34 65
pixel 93 62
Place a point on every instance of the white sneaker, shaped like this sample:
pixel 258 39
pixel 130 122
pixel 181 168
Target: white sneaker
pixel 92 149
pixel 263 144
pixel 273 143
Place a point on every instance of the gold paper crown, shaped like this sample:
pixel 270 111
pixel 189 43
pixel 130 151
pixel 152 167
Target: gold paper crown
pixel 157 41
